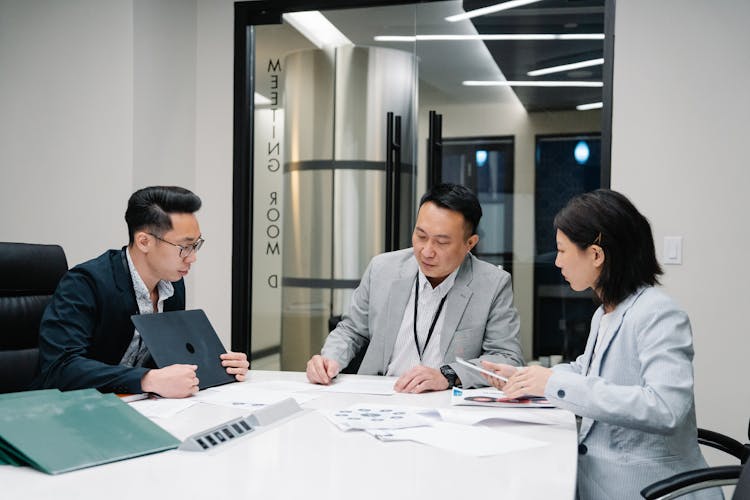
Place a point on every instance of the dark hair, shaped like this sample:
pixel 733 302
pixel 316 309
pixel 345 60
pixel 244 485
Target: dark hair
pixel 150 208
pixel 608 219
pixel 459 199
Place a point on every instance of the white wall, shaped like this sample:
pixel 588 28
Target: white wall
pixel 164 96
pixel 679 151
pixel 66 123
pixel 213 168
pixel 99 98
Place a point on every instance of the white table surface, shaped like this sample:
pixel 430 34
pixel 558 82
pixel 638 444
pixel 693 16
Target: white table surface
pixel 307 457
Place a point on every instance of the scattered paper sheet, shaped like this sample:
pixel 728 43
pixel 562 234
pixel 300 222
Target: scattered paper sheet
pixel 463 439
pixel 247 396
pixel 162 407
pixel 362 417
pixel 382 386
pixel 286 386
pixel 472 416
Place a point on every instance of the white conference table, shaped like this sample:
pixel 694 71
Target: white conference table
pixel 306 456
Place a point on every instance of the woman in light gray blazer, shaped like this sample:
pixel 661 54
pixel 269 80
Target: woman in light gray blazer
pixel 633 385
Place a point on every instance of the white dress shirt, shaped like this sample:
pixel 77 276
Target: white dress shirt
pixel 405 355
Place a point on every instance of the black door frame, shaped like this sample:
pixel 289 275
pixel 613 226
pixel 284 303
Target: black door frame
pixel 254 13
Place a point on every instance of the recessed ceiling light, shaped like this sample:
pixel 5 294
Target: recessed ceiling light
pixel 490 9
pixel 566 67
pixel 529 83
pixel 316 28
pixel 586 107
pixel 496 37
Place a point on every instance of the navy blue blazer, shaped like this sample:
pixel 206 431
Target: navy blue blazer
pixel 86 327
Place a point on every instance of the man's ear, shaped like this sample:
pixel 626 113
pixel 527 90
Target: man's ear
pixel 142 241
pixel 472 241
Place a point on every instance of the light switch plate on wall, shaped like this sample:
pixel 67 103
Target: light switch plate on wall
pixel 672 250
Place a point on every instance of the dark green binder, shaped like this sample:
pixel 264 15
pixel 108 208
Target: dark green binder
pixel 62 431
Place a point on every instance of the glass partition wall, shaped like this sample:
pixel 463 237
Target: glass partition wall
pixel 334 145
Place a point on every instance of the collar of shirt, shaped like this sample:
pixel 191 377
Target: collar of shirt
pixel 142 295
pixel 442 289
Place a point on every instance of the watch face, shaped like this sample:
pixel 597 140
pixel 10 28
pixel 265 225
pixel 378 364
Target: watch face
pixel 449 375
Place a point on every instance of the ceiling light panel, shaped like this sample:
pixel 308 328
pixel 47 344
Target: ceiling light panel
pixel 593 105
pixel 489 37
pixel 490 9
pixel 529 83
pixel 566 67
pixel 315 27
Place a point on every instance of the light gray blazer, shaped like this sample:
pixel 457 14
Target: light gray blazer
pixel 480 320
pixel 636 403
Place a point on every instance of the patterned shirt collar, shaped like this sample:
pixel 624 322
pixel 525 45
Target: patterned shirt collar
pixel 142 295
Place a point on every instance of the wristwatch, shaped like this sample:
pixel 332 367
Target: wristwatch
pixel 450 375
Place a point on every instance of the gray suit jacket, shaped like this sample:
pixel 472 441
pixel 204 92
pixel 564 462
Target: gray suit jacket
pixel 637 402
pixel 480 320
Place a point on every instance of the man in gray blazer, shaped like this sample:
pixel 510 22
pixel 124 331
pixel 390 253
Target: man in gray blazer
pixel 417 309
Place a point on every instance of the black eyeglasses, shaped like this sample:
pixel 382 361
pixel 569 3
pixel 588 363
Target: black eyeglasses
pixel 184 251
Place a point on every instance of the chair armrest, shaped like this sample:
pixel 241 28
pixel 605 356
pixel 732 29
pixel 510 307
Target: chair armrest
pixel 723 443
pixel 687 482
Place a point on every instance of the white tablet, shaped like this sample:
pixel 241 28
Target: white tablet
pixel 481 370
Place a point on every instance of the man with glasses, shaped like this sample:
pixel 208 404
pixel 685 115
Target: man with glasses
pixel 87 339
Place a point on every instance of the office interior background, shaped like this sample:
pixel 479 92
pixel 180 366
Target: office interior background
pixel 100 98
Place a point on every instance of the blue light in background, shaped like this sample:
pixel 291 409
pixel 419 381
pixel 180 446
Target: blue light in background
pixel 581 152
pixel 481 157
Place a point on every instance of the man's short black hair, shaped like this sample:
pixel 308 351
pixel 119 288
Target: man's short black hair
pixel 608 219
pixel 150 208
pixel 459 199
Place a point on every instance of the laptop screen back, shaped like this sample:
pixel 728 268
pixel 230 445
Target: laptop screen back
pixel 184 337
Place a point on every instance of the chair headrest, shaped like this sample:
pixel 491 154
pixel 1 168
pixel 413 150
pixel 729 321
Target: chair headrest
pixel 30 268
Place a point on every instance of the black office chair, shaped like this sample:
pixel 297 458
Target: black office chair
pixel 29 274
pixel 353 366
pixel 694 480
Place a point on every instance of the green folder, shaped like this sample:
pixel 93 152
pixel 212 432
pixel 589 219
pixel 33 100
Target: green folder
pixel 8 456
pixel 58 432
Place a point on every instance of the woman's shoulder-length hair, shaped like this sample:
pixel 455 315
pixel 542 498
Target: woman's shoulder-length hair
pixel 608 219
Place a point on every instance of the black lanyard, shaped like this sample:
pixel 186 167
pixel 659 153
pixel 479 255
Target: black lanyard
pixel 434 320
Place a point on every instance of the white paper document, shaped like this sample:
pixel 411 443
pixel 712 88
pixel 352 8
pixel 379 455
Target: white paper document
pixel 364 417
pixel 381 385
pixel 247 396
pixel 286 386
pixel 463 439
pixel 472 416
pixel 162 407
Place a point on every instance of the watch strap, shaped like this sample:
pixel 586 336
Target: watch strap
pixel 450 375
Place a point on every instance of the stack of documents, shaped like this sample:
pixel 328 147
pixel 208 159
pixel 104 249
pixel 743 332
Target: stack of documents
pixel 57 432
